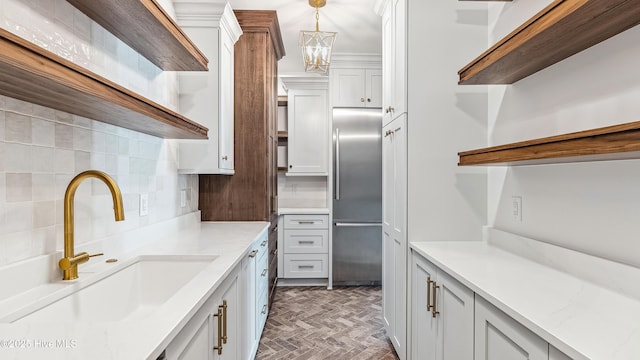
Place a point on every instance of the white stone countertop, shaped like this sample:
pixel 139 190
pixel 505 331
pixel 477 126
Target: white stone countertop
pixel 303 211
pixel 580 318
pixel 141 338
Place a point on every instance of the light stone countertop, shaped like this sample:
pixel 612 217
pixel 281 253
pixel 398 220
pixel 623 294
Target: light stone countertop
pixel 580 318
pixel 142 338
pixel 303 211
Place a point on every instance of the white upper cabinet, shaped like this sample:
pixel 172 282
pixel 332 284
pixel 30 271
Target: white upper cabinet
pixel 308 126
pixel 356 88
pixel 394 58
pixel 208 97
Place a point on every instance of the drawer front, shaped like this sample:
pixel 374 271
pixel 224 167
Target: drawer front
pixel 306 241
pixel 262 274
pixel 306 222
pixel 306 265
pixel 262 310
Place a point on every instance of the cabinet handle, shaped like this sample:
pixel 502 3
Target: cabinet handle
pixel 305 241
pixel 264 272
pixel 429 293
pixel 219 316
pixel 306 222
pixel 224 320
pixel 225 157
pixel 368 99
pixel 253 253
pixel 274 252
pixel 434 312
pixel 361 99
pixel 264 308
pixel 305 266
pixel 264 243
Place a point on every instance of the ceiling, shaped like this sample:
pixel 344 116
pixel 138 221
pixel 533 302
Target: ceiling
pixel 358 26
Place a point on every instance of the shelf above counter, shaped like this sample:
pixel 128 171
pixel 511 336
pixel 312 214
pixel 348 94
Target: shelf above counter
pixel 31 73
pixel 560 30
pixel 617 142
pixel 147 28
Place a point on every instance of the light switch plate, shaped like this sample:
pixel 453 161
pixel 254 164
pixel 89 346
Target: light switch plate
pixel 144 204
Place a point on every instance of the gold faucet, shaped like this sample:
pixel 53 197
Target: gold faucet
pixel 69 263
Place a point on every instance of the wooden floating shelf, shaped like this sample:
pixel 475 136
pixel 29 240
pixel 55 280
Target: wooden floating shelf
pixel 618 142
pixel 30 73
pixel 147 28
pixel 560 30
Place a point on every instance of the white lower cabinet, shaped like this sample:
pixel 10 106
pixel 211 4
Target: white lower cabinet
pixel 214 331
pixel 230 323
pixel 499 337
pixel 306 246
pixel 441 314
pixel 449 321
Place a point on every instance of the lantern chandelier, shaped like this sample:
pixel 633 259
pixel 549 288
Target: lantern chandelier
pixel 316 45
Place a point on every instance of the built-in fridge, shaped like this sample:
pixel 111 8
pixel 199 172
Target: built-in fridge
pixel 357 196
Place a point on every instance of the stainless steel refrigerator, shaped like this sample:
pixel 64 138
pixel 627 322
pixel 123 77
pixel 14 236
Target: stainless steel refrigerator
pixel 357 196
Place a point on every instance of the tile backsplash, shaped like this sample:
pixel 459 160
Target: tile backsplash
pixel 42 149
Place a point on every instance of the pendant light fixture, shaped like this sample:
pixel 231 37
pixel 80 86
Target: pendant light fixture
pixel 316 45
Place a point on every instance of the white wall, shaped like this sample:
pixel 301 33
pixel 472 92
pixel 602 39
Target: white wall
pixel 591 207
pixel 42 149
pixel 445 202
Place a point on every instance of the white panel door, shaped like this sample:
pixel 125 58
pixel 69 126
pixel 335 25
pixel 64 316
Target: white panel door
pixel 308 124
pixel 373 88
pixel 455 304
pixel 387 62
pixel 423 324
pixel 399 61
pixel 499 337
pixel 226 120
pixel 348 88
pixel 231 348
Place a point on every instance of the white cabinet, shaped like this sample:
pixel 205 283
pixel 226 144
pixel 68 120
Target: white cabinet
pixel 306 246
pixel 307 125
pixel 442 314
pixel 394 238
pixel 207 97
pixel 214 332
pixel 497 336
pixel 394 58
pixel 255 281
pixel 356 88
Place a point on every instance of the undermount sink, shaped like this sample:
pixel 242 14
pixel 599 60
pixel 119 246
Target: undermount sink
pixel 133 291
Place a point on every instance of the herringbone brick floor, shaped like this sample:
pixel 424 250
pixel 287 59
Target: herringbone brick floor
pixel 313 323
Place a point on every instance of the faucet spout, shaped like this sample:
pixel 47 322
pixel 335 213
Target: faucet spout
pixel 69 264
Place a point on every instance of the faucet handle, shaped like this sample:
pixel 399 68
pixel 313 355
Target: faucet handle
pixel 94 255
pixel 67 263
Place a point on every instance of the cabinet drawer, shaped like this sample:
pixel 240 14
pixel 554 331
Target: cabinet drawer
pixel 262 274
pixel 306 265
pixel 262 309
pixel 306 241
pixel 306 221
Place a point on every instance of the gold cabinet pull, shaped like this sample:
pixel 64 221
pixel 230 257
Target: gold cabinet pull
pixel 264 272
pixel 219 316
pixel 264 308
pixel 253 253
pixel 434 310
pixel 224 320
pixel 429 293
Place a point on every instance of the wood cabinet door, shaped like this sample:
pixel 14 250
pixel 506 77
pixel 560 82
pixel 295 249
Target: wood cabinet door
pixel 499 337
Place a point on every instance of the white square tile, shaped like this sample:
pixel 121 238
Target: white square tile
pixel 64 161
pixel 17 128
pixel 63 117
pixel 82 25
pixel 64 13
pixel 43 112
pixel 18 106
pixel 64 136
pixel 82 139
pixel 43 214
pixel 98 161
pixel 83 161
pixel 2 125
pixel 43 187
pixel 43 159
pixel 98 142
pixel 42 132
pixel 18 157
pixel 111 142
pixel 18 217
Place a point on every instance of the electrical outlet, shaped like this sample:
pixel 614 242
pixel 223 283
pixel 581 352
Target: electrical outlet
pixel 144 204
pixel 183 198
pixel 516 205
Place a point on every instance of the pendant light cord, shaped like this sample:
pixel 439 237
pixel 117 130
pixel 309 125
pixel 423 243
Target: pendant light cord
pixel 317 17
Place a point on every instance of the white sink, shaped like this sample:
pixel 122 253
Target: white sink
pixel 135 290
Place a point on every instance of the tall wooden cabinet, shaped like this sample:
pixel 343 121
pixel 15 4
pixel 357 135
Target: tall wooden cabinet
pixel 251 193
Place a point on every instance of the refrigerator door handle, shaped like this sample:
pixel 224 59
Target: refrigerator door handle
pixel 357 224
pixel 337 182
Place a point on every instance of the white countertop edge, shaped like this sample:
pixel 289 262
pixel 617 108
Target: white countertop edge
pixel 303 211
pixel 561 317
